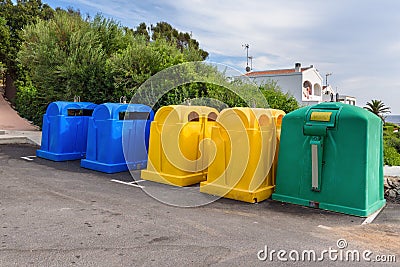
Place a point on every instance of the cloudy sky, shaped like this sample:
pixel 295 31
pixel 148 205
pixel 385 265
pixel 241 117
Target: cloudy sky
pixel 356 40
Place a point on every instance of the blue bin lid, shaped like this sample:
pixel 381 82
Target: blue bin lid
pixel 108 111
pixel 62 107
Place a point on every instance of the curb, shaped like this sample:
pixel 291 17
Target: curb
pixel 17 140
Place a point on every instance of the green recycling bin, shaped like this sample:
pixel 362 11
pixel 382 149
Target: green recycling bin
pixel 331 157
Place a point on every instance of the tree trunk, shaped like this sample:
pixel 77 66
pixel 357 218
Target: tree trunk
pixel 10 90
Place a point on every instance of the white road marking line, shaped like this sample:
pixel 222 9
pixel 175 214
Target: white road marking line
pixel 324 227
pixel 28 158
pixel 127 183
pixel 372 217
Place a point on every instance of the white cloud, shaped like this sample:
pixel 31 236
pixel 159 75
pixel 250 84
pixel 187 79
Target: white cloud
pixel 366 88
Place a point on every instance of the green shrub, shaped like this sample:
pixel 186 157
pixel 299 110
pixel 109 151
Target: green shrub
pixel 394 142
pixel 28 104
pixel 388 128
pixel 391 124
pixel 98 60
pixel 277 99
pixel 390 155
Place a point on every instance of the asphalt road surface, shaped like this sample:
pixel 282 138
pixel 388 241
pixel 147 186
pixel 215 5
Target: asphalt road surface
pixel 58 214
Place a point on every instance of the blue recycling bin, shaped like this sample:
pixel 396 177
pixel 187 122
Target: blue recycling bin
pixel 118 137
pixel 64 130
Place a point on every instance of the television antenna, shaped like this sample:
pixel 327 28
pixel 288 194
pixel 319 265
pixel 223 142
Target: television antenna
pixel 326 78
pixel 247 46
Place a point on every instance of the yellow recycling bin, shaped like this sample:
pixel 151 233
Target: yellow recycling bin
pixel 177 148
pixel 244 166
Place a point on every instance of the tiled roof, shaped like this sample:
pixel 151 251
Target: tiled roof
pixel 273 72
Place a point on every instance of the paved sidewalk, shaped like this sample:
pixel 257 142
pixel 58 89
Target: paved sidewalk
pixel 20 137
pixel 14 129
pixel 10 120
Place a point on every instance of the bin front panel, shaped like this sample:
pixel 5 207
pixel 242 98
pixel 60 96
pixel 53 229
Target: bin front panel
pixel 118 137
pixel 64 131
pixel 244 164
pixel 325 160
pixel 177 151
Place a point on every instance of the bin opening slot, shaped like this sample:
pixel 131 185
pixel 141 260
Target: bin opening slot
pixel 126 115
pixel 87 112
pixel 79 112
pixel 193 116
pixel 212 116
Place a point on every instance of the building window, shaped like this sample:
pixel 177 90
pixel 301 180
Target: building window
pixel 307 90
pixel 317 89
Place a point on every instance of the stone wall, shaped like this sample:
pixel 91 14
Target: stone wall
pixel 392 189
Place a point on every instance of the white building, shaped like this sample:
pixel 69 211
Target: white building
pixel 305 84
pixel 351 100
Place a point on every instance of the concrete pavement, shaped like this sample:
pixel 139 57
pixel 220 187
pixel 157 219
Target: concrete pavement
pixel 58 214
pixel 14 129
pixel 10 120
pixel 20 137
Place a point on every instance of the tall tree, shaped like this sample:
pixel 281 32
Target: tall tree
pixel 97 59
pixel 4 44
pixel 17 16
pixel 142 30
pixel 182 40
pixel 2 71
pixel 67 56
pixel 378 108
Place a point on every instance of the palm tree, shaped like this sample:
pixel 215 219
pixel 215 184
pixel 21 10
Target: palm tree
pixel 378 108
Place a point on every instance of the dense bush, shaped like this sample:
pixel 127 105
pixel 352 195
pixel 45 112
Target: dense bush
pixel 14 16
pixel 391 148
pixel 101 61
pixel 98 60
pixel 66 56
pixel 277 99
pixel 391 155
pixel 28 103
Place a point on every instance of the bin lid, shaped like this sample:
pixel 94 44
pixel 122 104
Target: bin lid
pixel 321 117
pixel 119 111
pixel 61 107
pixel 340 109
pixel 181 114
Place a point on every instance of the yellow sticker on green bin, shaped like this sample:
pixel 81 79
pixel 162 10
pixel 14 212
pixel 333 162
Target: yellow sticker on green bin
pixel 320 116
